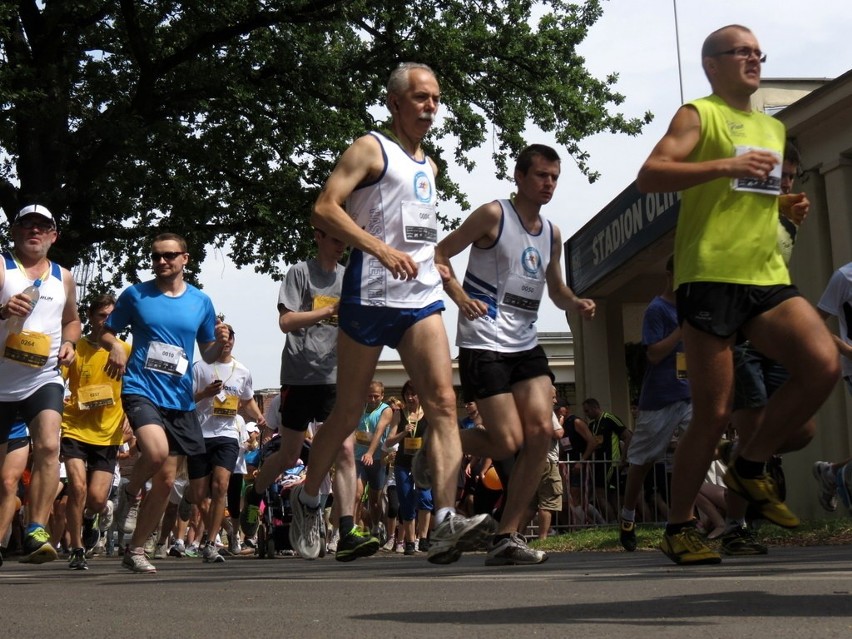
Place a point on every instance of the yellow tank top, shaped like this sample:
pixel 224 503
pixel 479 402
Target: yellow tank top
pixel 724 233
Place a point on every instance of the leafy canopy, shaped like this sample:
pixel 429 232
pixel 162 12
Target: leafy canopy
pixel 221 120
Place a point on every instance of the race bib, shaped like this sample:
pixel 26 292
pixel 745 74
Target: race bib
pixel 680 365
pixel 523 293
pixel 363 437
pixel 770 186
pixel 95 396
pixel 419 222
pixel 28 348
pixel 412 444
pixel 323 301
pixel 165 358
pixel 225 405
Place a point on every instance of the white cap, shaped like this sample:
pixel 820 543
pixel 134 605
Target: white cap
pixel 251 427
pixel 35 209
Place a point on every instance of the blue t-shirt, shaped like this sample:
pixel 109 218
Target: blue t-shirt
pixel 366 429
pixel 660 386
pixel 165 330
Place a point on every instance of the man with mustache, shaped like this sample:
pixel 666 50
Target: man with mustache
pixel 391 297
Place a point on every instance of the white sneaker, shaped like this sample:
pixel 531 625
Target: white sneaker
pixel 178 549
pixel 137 562
pixel 305 526
pixel 390 545
pixel 127 513
pixel 457 534
pixel 513 551
pixel 107 516
pixel 161 551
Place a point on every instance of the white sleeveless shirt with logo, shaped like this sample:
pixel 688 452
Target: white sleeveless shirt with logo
pixel 509 277
pixel 400 209
pixel 19 380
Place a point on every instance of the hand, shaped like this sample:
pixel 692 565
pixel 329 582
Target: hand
pixel 473 309
pixel 367 459
pixel 585 307
pixel 66 354
pixel 117 362
pixel 400 264
pixel 260 421
pixel 213 388
pixel 20 305
pixel 754 164
pixel 794 206
pixel 222 332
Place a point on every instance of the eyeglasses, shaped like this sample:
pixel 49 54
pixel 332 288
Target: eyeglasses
pixel 168 256
pixel 745 53
pixel 39 225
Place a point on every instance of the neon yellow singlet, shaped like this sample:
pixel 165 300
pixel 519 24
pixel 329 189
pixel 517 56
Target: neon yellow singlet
pixel 725 235
pixel 93 412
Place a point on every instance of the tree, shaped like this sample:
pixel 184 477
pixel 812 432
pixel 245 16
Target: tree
pixel 221 119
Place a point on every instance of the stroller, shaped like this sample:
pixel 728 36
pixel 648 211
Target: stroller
pixel 273 533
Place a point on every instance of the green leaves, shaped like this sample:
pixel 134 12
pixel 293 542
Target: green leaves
pixel 221 120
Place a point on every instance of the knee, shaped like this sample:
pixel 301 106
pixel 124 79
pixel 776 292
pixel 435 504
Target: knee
pixel 799 438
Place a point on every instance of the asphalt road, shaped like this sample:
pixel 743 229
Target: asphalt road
pixel 793 592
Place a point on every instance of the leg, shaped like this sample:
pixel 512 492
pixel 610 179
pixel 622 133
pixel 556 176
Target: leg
pixel 12 466
pixel 76 469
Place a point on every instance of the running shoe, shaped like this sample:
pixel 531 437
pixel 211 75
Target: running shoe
pixel 825 477
pixel 686 548
pixel 77 560
pixel 457 534
pixel 627 535
pixel 105 519
pixel 161 551
pixel 409 548
pixel 91 533
pixel 210 555
pixel 335 539
pixel 420 470
pixel 356 543
pixel 306 527
pixel 423 544
pixel 741 542
pixel 513 551
pixel 761 493
pixel 137 562
pixel 234 547
pixel 127 512
pixel 388 547
pixel 178 549
pixel 37 548
pixel 191 551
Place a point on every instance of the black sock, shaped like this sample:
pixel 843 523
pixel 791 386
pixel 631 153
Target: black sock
pixel 347 523
pixel 748 469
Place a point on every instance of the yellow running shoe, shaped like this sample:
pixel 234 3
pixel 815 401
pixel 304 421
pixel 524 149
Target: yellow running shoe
pixel 686 548
pixel 761 493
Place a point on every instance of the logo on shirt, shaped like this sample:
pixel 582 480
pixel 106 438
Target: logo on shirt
pixel 422 187
pixel 531 260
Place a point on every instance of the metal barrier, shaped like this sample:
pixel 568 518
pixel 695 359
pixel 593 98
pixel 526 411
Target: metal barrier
pixel 593 490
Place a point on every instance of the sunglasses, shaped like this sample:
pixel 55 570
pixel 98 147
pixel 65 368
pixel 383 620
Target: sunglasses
pixel 168 256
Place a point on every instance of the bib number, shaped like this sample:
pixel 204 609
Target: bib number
pixel 28 348
pixel 165 358
pixel 769 186
pixel 363 437
pixel 95 396
pixel 523 293
pixel 420 223
pixel 225 406
pixel 412 444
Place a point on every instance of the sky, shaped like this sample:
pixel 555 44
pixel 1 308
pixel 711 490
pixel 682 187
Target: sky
pixel 634 38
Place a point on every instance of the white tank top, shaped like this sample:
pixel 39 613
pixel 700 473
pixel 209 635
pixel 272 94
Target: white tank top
pixel 19 381
pixel 399 209
pixel 509 277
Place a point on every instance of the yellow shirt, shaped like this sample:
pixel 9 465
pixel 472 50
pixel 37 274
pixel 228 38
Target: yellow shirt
pixel 93 412
pixel 726 233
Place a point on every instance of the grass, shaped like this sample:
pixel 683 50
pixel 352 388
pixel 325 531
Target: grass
pixel 605 539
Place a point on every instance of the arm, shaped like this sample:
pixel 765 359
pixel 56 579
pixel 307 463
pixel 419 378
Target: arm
pixel 253 410
pixel 117 361
pixel 658 351
pixel 558 291
pixel 667 168
pixel 585 432
pixel 212 351
pixel 844 348
pixel 361 162
pixel 481 227
pixel 72 328
pixel 381 427
pixel 289 321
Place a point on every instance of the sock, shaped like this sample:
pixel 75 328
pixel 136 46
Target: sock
pixel 748 469
pixel 346 524
pixel 32 526
pixel 628 515
pixel 311 501
pixel 442 513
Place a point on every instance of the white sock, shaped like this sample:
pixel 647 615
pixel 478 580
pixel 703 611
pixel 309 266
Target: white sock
pixel 628 515
pixel 309 500
pixel 442 513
